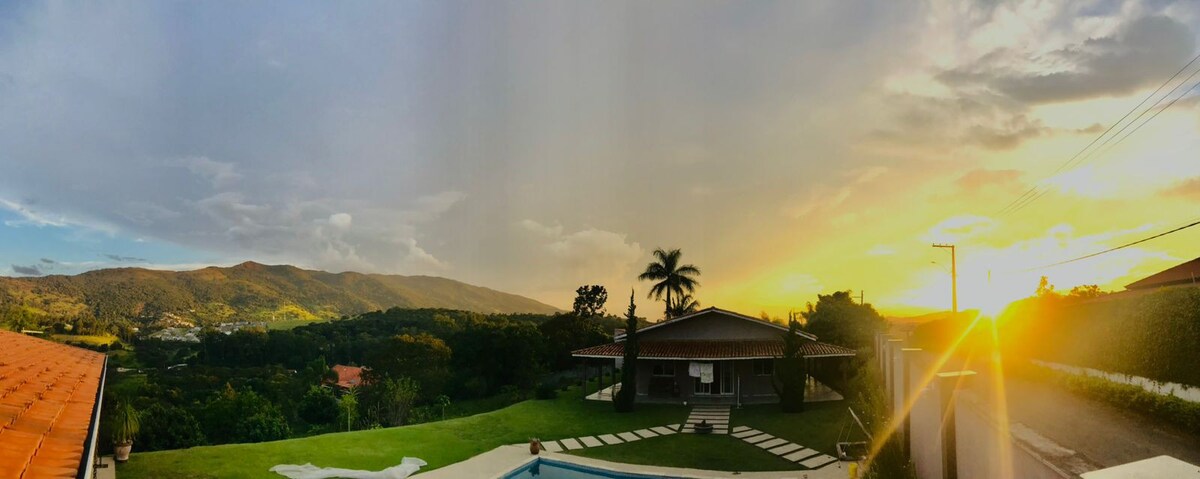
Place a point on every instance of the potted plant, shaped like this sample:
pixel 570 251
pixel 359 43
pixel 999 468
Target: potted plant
pixel 125 424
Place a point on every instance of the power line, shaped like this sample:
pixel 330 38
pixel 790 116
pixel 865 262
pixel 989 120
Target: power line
pixel 1025 197
pixel 1110 250
pixel 1046 190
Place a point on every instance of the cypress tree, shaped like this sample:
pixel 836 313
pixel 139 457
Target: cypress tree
pixel 625 397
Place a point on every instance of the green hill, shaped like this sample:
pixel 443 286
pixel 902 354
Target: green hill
pixel 248 291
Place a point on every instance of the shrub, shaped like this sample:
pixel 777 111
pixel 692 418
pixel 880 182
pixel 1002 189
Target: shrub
pixel 545 391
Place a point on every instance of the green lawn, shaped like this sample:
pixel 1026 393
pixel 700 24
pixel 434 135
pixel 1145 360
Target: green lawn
pixel 88 339
pixel 447 442
pixel 816 428
pixel 439 443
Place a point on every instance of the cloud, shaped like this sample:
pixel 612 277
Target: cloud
pixel 1189 188
pixel 48 261
pixel 959 228
pixel 1143 53
pixel 981 178
pixel 589 255
pixel 219 173
pixel 125 259
pixel 31 270
pixel 341 221
pixel 881 250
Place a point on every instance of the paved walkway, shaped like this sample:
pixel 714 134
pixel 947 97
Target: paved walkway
pixel 790 451
pixel 716 415
pixel 606 394
pixel 583 442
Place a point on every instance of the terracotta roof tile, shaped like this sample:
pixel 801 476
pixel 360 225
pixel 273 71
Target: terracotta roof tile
pixel 47 395
pixel 348 376
pixel 733 349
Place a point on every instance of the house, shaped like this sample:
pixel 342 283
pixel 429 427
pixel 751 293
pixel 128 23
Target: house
pixel 1183 274
pixel 347 376
pixel 49 408
pixel 740 351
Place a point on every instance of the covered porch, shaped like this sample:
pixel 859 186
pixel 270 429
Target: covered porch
pixel 732 372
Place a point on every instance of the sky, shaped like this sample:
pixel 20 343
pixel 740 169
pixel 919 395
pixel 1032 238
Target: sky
pixel 789 149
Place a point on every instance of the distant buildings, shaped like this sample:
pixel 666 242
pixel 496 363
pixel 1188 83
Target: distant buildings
pixel 192 335
pixel 1184 274
pixel 347 376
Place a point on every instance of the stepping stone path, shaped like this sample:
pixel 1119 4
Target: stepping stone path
pixel 783 448
pixel 718 416
pixel 609 439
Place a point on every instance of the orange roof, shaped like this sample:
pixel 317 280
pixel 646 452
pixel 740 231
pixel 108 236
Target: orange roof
pixel 348 376
pixel 1185 273
pixel 47 395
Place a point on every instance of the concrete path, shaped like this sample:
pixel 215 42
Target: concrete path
pixel 718 416
pixel 783 448
pixel 584 442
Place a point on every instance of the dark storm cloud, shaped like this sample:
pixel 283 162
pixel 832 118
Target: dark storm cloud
pixel 125 259
pixel 1146 51
pixel 31 270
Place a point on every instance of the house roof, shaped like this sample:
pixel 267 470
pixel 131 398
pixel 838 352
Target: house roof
pixel 713 350
pixel 1185 273
pixel 348 376
pixel 48 393
pixel 724 312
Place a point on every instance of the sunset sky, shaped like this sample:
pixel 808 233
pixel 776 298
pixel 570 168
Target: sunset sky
pixel 788 148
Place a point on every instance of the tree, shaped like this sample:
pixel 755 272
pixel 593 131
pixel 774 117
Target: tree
pixel 168 427
pixel 628 392
pixel 242 416
pixel 671 277
pixel 790 375
pixel 388 402
pixel 422 357
pixel 565 333
pixel 589 301
pixel 837 319
pixel 348 408
pixel 683 304
pixel 1044 288
pixel 1085 291
pixel 318 407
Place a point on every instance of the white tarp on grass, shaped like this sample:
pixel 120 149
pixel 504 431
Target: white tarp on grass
pixel 407 467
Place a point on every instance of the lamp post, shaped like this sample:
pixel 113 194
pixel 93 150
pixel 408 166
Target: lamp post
pixel 953 275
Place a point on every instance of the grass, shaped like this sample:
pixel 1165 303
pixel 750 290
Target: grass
pixel 711 451
pixel 89 339
pixel 446 442
pixel 294 323
pixel 816 428
pixel 440 443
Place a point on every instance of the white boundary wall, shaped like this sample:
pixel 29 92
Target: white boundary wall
pixel 1181 391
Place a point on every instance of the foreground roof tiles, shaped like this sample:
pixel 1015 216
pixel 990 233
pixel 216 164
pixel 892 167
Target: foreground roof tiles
pixel 713 350
pixel 47 395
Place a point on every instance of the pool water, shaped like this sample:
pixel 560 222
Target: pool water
pixel 547 469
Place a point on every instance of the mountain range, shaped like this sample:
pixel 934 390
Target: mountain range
pixel 248 291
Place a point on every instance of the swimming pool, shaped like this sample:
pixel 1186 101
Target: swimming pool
pixel 548 469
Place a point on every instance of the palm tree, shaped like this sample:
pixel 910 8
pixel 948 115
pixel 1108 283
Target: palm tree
pixel 671 277
pixel 683 304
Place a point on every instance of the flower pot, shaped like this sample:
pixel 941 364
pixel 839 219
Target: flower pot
pixel 121 451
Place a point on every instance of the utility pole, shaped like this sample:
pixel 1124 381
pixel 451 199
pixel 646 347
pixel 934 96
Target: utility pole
pixel 861 301
pixel 953 275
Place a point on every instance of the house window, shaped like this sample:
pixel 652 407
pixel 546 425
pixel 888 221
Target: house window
pixel 764 367
pixel 664 368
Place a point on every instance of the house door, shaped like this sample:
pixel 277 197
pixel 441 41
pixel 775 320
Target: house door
pixel 722 380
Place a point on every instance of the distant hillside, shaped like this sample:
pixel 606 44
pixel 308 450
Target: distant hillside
pixel 248 291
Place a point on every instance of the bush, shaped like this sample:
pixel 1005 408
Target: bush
pixel 168 427
pixel 545 391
